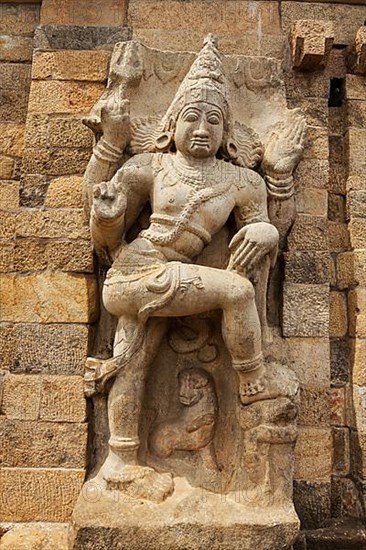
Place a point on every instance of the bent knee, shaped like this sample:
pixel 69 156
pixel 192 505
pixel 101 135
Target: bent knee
pixel 240 289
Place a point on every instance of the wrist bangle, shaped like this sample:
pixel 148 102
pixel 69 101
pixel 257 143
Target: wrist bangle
pixel 106 152
pixel 280 182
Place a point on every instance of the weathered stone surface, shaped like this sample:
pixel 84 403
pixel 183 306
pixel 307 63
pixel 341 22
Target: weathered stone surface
pixel 64 161
pixel 51 224
pixel 357 231
pixel 356 143
pixel 313 454
pixel 341 458
pixel 359 363
pixel 336 182
pixel 33 190
pixel 54 445
pixel 56 96
pixel 18 19
pixel 314 406
pixel 65 192
pixel 360 51
pixel 15 82
pixel 339 360
pixel 9 194
pixel 36 131
pixel 7 166
pixel 47 349
pixel 312 502
pixel 340 533
pixel 356 204
pixel 36 536
pixel 15 48
pixel 317 143
pixel 315 110
pixel 306 85
pixel 69 132
pixel 44 397
pixel 73 37
pixel 345 503
pixel 71 65
pixel 39 494
pixel 337 314
pixel 313 202
pixel 355 87
pixel 305 310
pixel 307 267
pixel 50 297
pixel 336 208
pixel 339 239
pixel 312 173
pixel 308 233
pixel 338 406
pixel 12 139
pixel 311 43
pixel 39 254
pixel 356 113
pixel 83 12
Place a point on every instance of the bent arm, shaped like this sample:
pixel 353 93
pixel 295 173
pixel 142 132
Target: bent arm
pixel 117 204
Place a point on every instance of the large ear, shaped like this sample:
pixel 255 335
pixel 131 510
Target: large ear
pixel 144 133
pixel 243 146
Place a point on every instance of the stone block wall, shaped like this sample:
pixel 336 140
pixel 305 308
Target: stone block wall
pixel 54 60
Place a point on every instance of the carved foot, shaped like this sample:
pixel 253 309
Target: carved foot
pixel 256 386
pixel 141 482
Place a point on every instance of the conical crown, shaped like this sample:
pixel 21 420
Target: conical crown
pixel 205 81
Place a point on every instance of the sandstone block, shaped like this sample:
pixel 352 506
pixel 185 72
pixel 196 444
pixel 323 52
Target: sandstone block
pixel 339 360
pixel 45 397
pixel 307 357
pixel 54 445
pixel 47 349
pixel 357 231
pixel 305 310
pixel 21 396
pixel 71 65
pixel 35 160
pixel 9 194
pixel 12 139
pixel 7 166
pixel 356 180
pixel 317 143
pixel 356 113
pixel 355 87
pixel 336 182
pixel 314 406
pixel 15 48
pixel 51 224
pixel 69 132
pixel 18 19
pixel 36 131
pixel 356 204
pixel 313 202
pixel 339 239
pixel 356 144
pixel 311 43
pixel 312 173
pixel 65 192
pixel 341 458
pixel 49 297
pixel 64 161
pixel 55 97
pixel 83 12
pixel 307 267
pixel 73 37
pixel 306 85
pixel 315 110
pixel 36 535
pixel 338 406
pixel 70 256
pixel 359 361
pixel 336 208
pixel 357 312
pixel 7 224
pixel 312 501
pixel 33 188
pixel 15 82
pixel 308 233
pixel 231 16
pixel 345 270
pixel 39 494
pixel 337 314
pixel 313 454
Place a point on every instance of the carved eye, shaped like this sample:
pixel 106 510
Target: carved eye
pixel 213 119
pixel 191 117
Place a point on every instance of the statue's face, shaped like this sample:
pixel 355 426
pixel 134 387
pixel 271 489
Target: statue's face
pixel 199 130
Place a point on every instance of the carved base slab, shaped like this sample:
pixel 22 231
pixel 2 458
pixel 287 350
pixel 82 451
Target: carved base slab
pixel 191 519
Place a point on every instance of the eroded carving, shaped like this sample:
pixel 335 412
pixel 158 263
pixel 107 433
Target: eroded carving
pixel 195 165
pixel 311 43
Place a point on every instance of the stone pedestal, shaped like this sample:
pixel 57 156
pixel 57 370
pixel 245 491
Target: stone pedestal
pixel 190 519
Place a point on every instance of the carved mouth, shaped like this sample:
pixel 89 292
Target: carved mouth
pixel 200 143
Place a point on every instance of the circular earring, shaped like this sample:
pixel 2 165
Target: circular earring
pixel 163 142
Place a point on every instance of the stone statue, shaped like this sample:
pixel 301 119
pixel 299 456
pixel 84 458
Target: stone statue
pixel 192 168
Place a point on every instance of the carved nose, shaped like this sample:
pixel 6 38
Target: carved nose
pixel 201 131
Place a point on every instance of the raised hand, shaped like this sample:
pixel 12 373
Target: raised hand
pixel 115 119
pixel 285 146
pixel 251 244
pixel 108 201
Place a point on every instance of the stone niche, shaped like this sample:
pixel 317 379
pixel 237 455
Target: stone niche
pixel 207 456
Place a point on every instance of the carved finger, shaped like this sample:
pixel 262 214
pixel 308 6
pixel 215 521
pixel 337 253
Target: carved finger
pixel 237 238
pixel 254 259
pixel 96 191
pixel 301 133
pixel 246 253
pixel 243 249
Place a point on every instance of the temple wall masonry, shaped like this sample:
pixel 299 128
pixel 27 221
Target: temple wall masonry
pixel 54 64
